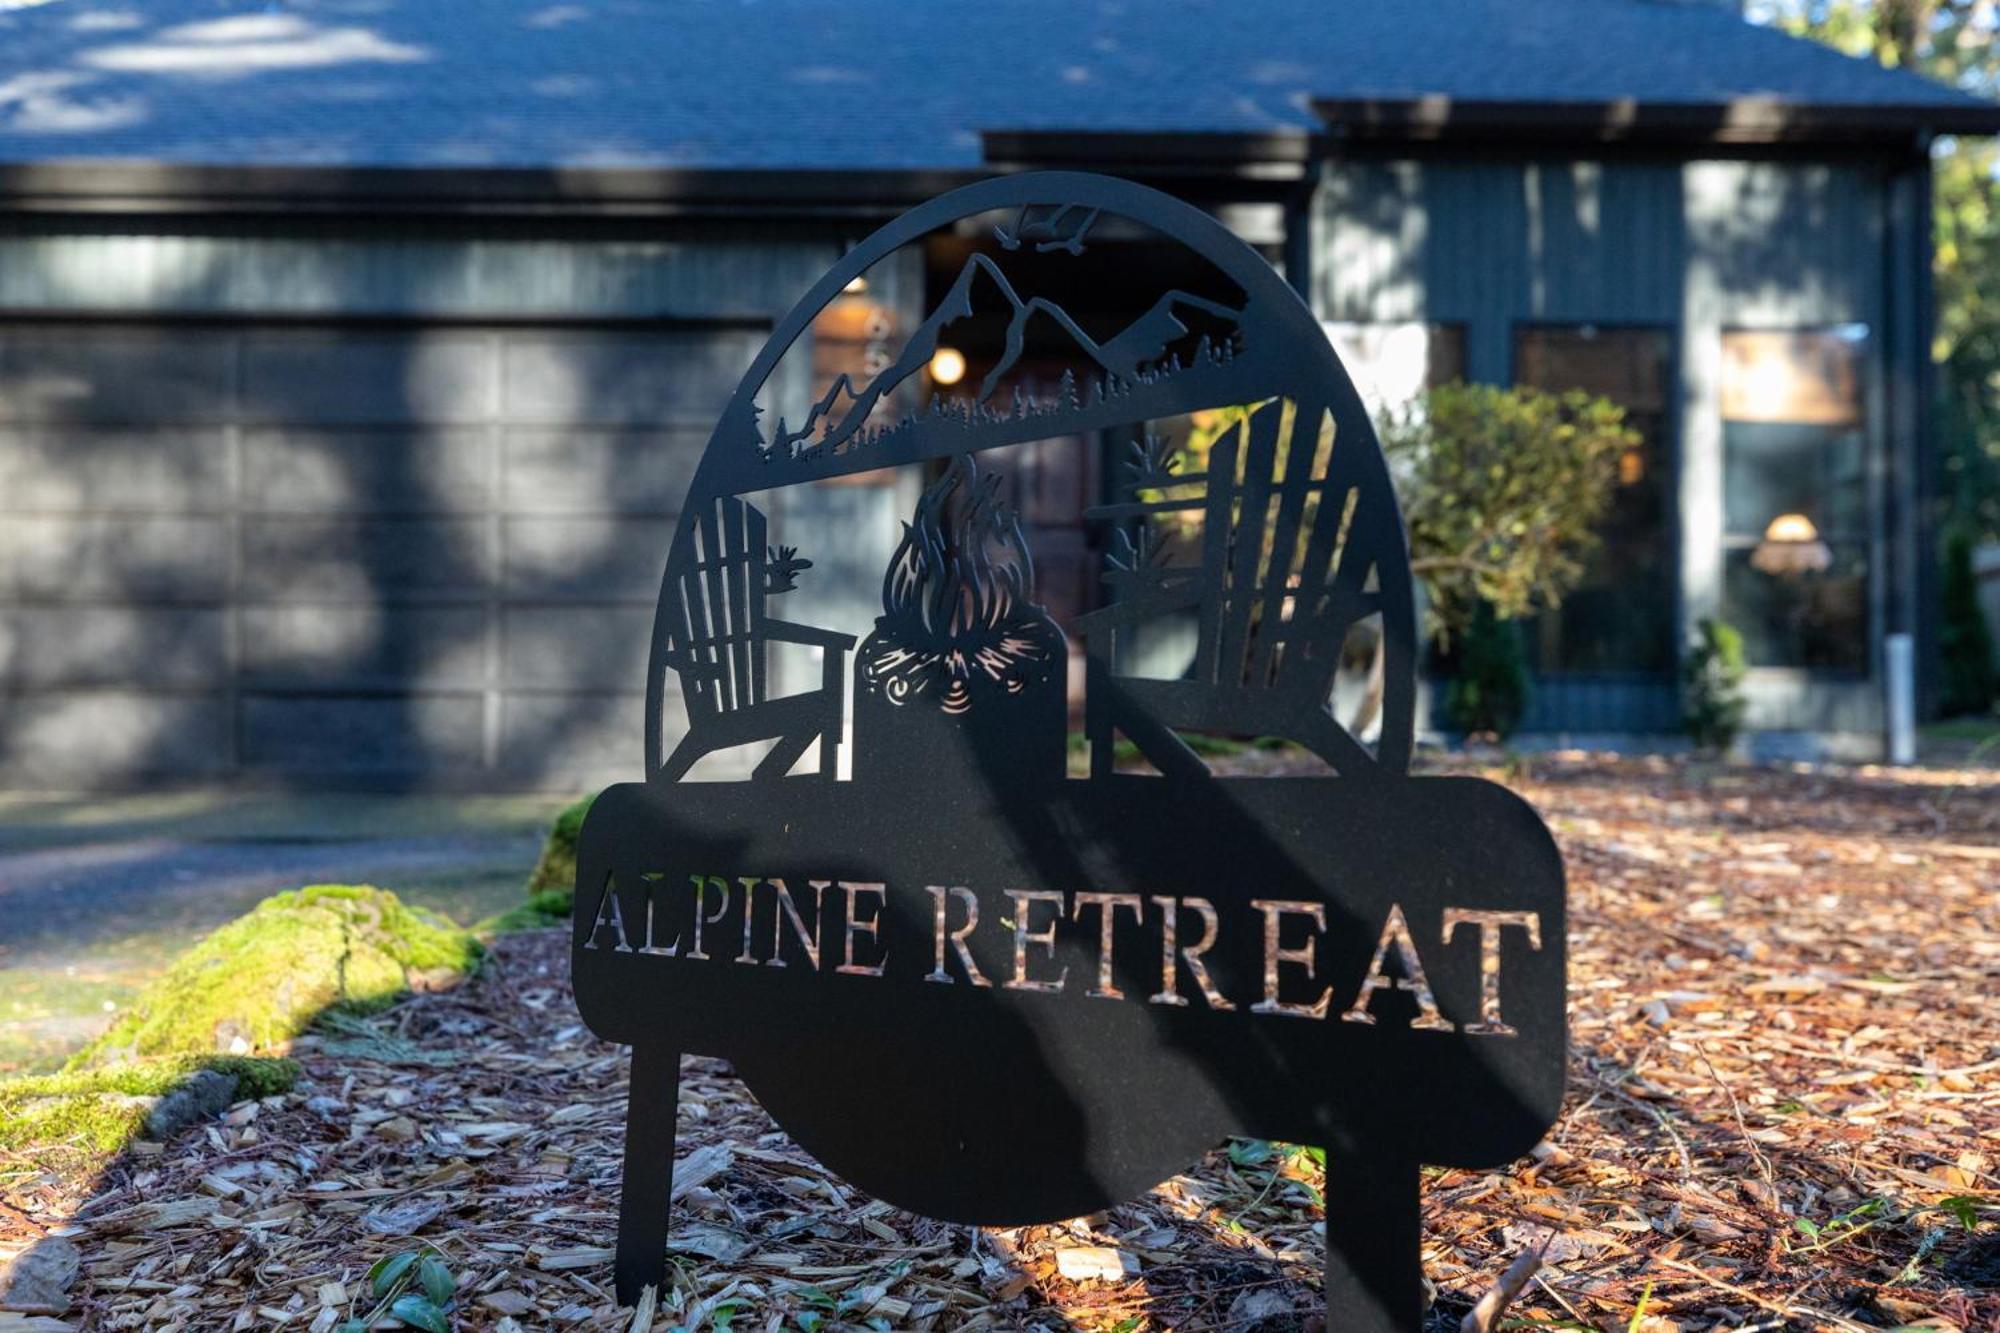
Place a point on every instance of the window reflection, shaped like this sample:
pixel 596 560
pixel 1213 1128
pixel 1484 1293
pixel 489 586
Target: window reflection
pixel 1795 496
pixel 1619 619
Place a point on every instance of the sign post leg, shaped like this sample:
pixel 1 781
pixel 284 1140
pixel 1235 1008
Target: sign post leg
pixel 649 1172
pixel 1374 1236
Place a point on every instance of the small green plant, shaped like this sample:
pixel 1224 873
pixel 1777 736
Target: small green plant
pixel 1489 687
pixel 1712 700
pixel 1639 1311
pixel 1965 643
pixel 414 1288
pixel 1963 1209
pixel 1864 1216
pixel 824 1310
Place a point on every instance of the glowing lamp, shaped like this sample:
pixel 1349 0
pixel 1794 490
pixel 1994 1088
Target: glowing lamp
pixel 947 366
pixel 1791 545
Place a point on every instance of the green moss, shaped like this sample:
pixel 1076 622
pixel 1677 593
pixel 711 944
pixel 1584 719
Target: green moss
pixel 255 1075
pixel 554 876
pixel 100 1110
pixel 259 981
pixel 542 910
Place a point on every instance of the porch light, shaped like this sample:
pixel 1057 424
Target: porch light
pixel 1791 545
pixel 947 366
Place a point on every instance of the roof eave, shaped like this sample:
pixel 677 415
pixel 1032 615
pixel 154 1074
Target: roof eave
pixel 1738 121
pixel 1273 156
pixel 121 186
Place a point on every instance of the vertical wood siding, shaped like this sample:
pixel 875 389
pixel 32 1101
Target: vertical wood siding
pixel 1695 247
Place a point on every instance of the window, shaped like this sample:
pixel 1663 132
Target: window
pixel 1620 618
pixel 1795 497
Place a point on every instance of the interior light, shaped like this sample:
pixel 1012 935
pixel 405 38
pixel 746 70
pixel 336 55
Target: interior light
pixel 1791 528
pixel 856 285
pixel 1791 545
pixel 947 366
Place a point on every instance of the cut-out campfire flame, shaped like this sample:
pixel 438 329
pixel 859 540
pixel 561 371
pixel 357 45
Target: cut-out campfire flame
pixel 958 616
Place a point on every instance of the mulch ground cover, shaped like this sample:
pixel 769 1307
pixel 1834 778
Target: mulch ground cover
pixel 1784 1113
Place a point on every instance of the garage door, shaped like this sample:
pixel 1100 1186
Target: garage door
pixel 340 554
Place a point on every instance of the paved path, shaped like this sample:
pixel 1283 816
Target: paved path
pixel 97 894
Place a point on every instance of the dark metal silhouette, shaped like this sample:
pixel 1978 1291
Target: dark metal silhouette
pixel 714 633
pixel 993 993
pixel 1275 601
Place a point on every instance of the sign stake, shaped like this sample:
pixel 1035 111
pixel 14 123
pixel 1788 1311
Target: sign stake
pixel 1374 1234
pixel 649 1172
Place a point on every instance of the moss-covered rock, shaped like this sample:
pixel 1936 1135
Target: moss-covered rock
pixel 550 907
pixel 259 981
pixel 552 885
pixel 100 1110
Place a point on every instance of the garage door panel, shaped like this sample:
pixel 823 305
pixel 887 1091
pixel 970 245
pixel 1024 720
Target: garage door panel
pixel 335 733
pixel 361 378
pixel 360 470
pixel 47 468
pixel 600 471
pixel 53 646
pixel 339 550
pixel 623 379
pixel 558 738
pixel 111 556
pixel 586 557
pixel 364 559
pixel 576 645
pixel 365 647
pixel 49 738
pixel 89 376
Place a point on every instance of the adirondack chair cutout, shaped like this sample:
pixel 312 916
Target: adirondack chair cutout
pixel 717 633
pixel 1276 593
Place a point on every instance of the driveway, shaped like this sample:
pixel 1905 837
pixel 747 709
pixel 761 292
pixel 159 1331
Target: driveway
pixel 98 894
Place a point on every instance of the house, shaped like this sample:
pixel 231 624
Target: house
pixel 354 356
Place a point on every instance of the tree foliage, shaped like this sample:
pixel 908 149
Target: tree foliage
pixel 1953 41
pixel 1965 644
pixel 1502 492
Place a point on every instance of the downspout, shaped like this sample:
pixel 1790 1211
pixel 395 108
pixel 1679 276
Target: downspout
pixel 1909 639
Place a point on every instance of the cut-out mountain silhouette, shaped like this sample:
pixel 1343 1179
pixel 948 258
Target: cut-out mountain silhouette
pixel 982 289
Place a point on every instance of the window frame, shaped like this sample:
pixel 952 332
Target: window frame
pixel 1672 527
pixel 1873 535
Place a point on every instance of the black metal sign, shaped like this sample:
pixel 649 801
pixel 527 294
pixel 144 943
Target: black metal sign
pixel 979 984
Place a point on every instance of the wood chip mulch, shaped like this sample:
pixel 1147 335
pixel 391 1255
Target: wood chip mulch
pixel 1784 1113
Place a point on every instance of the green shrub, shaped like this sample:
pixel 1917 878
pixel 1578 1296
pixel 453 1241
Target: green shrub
pixel 1489 688
pixel 1965 644
pixel 259 981
pixel 1503 492
pixel 1712 700
pixel 552 884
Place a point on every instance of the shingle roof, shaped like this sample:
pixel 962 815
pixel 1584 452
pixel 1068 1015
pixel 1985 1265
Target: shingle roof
pixel 832 83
